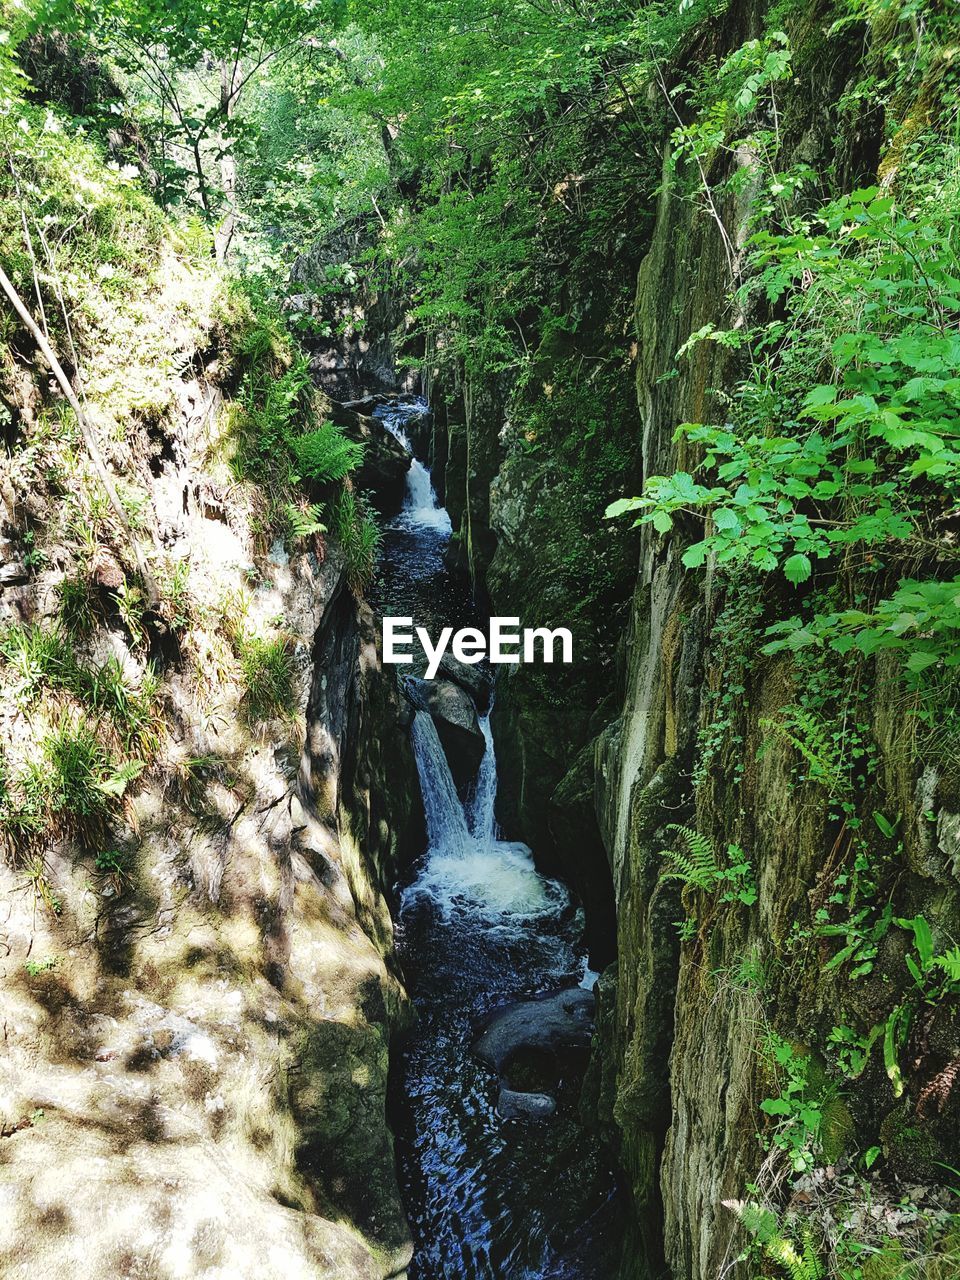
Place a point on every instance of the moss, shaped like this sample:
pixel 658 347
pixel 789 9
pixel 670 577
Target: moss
pixel 910 1150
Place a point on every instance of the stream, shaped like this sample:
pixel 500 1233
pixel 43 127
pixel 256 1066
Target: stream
pixel 477 928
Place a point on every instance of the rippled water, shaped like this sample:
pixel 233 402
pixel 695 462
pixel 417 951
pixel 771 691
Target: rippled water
pixel 478 927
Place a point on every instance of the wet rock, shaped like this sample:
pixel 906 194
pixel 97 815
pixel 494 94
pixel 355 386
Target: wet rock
pixel 560 1022
pixel 475 679
pixel 514 1105
pixel 383 472
pixel 457 726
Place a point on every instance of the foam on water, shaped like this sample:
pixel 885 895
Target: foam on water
pixel 467 868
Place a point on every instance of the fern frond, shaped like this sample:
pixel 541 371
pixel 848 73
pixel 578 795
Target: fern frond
pixel 325 454
pixel 698 865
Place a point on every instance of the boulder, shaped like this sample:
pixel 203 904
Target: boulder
pixel 552 1025
pixel 514 1105
pixel 455 716
pixel 476 679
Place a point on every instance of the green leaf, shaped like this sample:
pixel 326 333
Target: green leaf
pixel 621 506
pixel 890 1052
pixel 776 1107
pixel 886 827
pixel 694 556
pixel 921 660
pixel 797 568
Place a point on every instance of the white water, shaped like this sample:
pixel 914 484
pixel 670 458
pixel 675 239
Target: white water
pixel 467 867
pixel 446 824
pixel 480 810
pixel 420 507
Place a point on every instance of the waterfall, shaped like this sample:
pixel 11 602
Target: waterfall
pixel 420 506
pixel 420 502
pixel 468 868
pixel 480 814
pixel 446 823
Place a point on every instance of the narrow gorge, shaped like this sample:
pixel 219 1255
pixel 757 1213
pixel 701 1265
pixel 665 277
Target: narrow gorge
pixel 638 321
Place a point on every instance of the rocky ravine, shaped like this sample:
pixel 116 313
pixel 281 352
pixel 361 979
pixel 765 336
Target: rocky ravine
pixel 600 768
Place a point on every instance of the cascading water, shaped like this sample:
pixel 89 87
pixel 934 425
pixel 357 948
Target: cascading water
pixel 446 824
pixel 488 1198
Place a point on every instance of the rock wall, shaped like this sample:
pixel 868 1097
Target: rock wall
pixel 597 769
pixel 681 1071
pixel 198 994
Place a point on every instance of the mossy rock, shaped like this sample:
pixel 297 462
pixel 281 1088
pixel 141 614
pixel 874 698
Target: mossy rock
pixel 910 1149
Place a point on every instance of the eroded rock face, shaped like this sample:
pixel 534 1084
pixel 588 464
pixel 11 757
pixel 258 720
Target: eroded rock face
pixel 455 716
pixel 194 1063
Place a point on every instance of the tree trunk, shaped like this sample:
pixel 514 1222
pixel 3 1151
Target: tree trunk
pixel 229 74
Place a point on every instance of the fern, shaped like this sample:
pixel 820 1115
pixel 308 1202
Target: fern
pixel 762 1224
pixel 303 522
pixel 697 865
pixel 326 455
pixel 808 736
pixel 803 1265
pixel 949 962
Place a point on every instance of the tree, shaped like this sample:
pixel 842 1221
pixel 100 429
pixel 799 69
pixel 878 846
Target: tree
pixel 192 61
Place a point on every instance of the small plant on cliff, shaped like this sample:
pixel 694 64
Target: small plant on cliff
pixel 796 1108
pixel 326 455
pixel 267 670
pixel 76 780
pixel 697 864
pixel 799 1260
pixel 359 536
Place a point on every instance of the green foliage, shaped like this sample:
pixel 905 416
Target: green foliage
pixel 39 657
pixel 325 455
pixel 359 537
pixel 267 671
pixel 75 778
pixel 303 521
pixel 696 864
pixel 77 609
pixel 131 705
pixel 839 443
pixel 798 1260
pixel 797 1108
